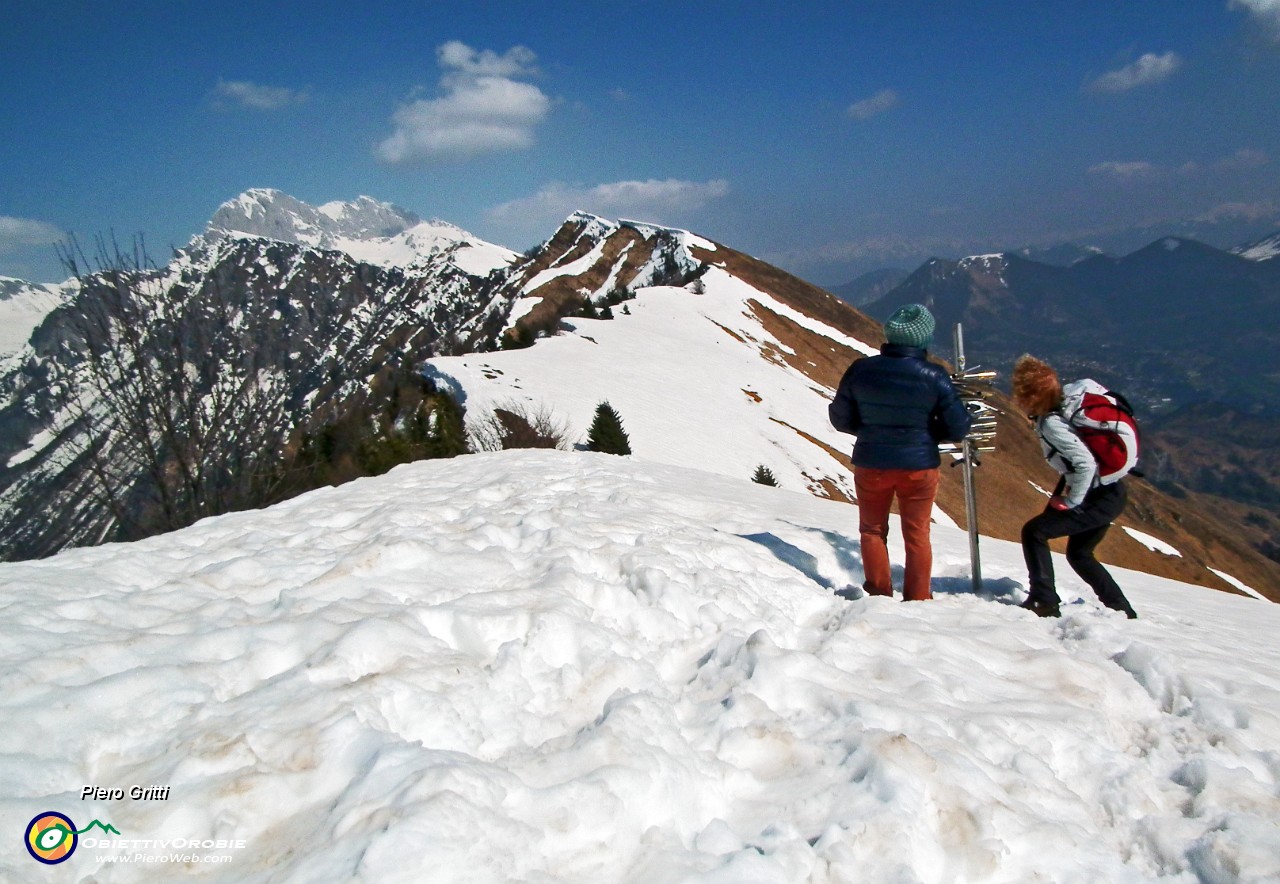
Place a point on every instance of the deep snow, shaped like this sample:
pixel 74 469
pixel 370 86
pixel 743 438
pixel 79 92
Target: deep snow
pixel 696 378
pixel 555 666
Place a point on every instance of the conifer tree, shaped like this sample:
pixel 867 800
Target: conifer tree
pixel 447 434
pixel 606 434
pixel 764 476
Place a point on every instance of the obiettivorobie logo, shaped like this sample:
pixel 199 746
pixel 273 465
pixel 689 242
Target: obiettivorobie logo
pixel 51 837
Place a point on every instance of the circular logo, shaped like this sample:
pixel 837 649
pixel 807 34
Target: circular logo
pixel 51 837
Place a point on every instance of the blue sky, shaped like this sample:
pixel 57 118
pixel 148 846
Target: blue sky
pixel 825 137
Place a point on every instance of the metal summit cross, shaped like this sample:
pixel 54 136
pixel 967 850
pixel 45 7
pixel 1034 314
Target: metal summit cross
pixel 975 388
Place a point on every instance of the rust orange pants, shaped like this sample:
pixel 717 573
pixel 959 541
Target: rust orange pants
pixel 915 490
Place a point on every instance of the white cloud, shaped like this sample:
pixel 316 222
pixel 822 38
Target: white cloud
pixel 483 109
pixel 241 93
pixel 21 233
pixel 1265 12
pixel 1124 170
pixel 670 201
pixel 1249 211
pixel 1245 158
pixel 465 62
pixel 1242 160
pixel 1146 71
pixel 632 199
pixel 882 101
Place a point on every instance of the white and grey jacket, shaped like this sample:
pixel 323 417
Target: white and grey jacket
pixel 1065 450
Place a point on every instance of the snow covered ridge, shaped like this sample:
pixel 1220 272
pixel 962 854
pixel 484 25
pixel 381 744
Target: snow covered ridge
pixel 310 327
pixel 748 406
pixel 1262 250
pixel 369 231
pixel 545 666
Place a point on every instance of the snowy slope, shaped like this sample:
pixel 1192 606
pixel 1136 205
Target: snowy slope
pixel 696 378
pixel 568 667
pixel 23 306
pixel 1262 250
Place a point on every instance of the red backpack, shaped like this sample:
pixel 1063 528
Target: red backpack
pixel 1104 420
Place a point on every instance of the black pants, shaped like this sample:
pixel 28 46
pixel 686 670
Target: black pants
pixel 1085 526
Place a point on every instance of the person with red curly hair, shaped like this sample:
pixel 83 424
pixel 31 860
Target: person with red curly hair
pixel 1080 509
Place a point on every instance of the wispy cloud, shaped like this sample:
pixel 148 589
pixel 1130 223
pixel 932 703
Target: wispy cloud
pixel 1125 170
pixel 22 233
pixel 1131 170
pixel 241 93
pixel 483 108
pixel 1245 158
pixel 1146 71
pixel 880 250
pixel 616 199
pixel 662 201
pixel 1251 211
pixel 884 100
pixel 1265 12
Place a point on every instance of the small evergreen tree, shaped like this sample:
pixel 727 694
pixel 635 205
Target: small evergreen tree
pixel 446 431
pixel 606 434
pixel 764 476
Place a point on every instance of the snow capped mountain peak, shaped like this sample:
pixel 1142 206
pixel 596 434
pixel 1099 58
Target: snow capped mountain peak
pixel 987 261
pixel 368 230
pixel 592 226
pixel 276 215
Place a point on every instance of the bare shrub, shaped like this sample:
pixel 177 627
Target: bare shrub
pixel 520 425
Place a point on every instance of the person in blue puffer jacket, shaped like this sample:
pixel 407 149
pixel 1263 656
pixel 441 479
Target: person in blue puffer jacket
pixel 900 406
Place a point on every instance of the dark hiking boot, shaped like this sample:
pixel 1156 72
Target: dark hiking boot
pixel 1042 608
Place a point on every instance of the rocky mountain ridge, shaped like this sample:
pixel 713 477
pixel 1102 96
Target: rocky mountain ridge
pixel 310 330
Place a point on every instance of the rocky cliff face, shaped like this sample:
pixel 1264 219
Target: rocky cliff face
pixel 241 340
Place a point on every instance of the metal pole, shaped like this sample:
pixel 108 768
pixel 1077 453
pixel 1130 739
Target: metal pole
pixel 968 455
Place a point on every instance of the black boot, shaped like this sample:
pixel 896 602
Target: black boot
pixel 1123 605
pixel 1042 607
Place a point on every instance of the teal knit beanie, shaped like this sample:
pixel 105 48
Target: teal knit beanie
pixel 911 325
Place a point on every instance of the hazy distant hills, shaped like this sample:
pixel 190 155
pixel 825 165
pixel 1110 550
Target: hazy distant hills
pixel 870 287
pixel 1175 323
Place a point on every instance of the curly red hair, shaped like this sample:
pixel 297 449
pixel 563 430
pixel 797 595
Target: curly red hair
pixel 1036 387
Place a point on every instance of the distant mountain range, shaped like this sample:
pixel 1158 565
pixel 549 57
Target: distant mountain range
pixel 1175 323
pixel 870 287
pixel 1188 331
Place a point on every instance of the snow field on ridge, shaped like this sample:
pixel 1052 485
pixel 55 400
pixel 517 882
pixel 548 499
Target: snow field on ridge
pixel 553 666
pixel 685 374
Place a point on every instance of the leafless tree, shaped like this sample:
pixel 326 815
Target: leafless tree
pixel 520 425
pixel 173 417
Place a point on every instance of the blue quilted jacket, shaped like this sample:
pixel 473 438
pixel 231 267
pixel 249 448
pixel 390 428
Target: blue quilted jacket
pixel 900 406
